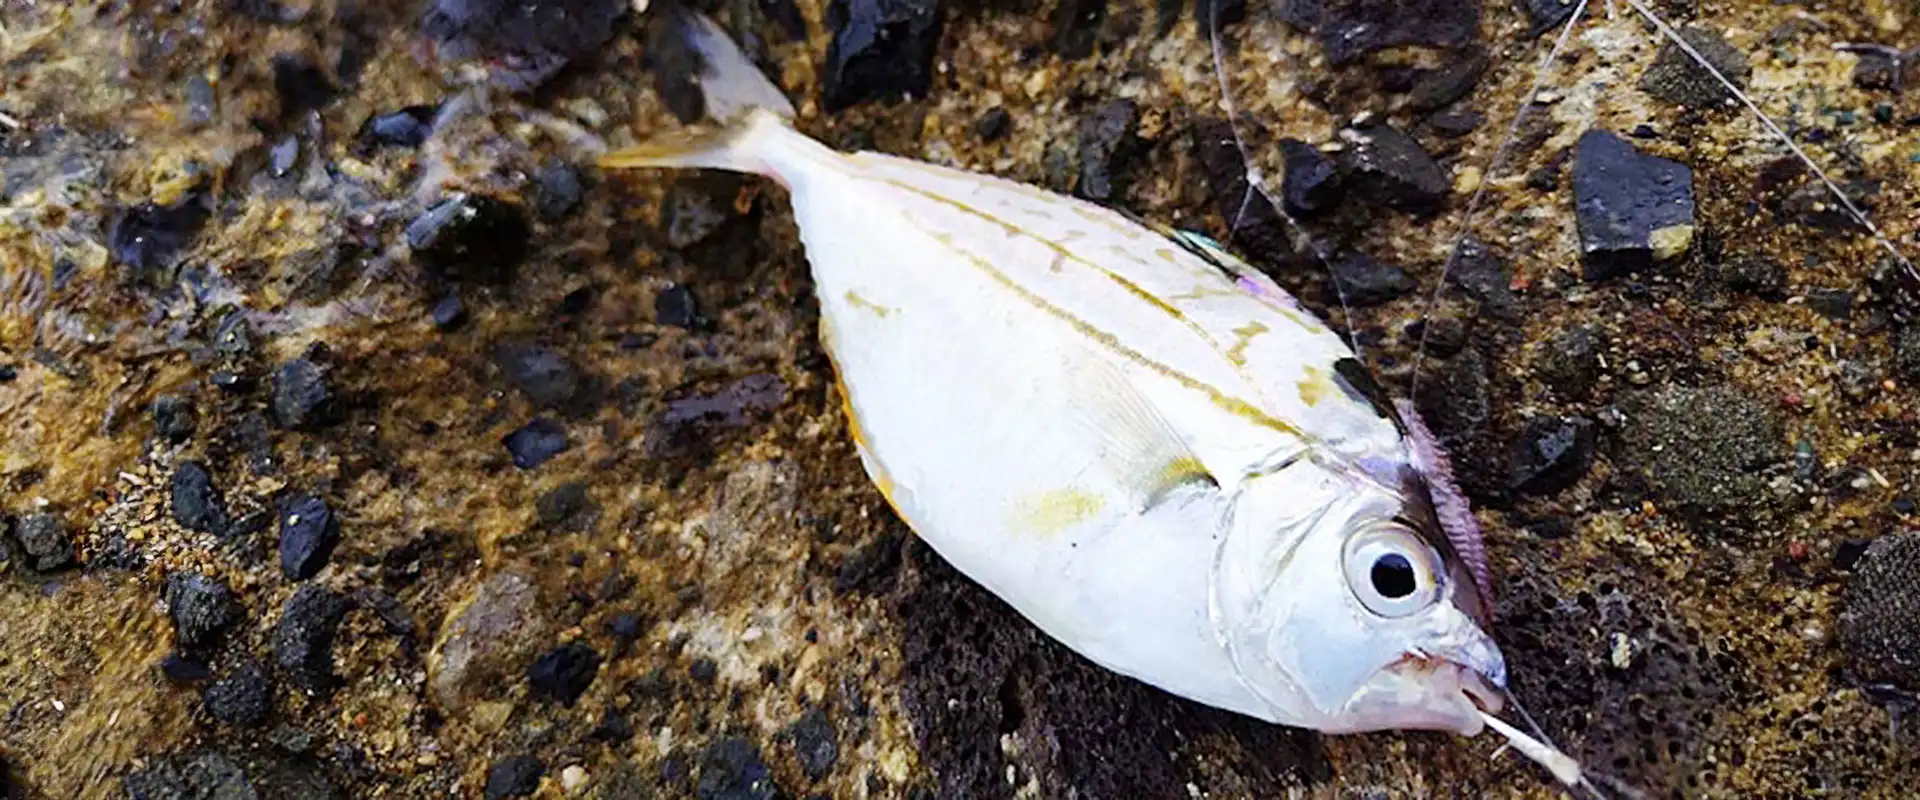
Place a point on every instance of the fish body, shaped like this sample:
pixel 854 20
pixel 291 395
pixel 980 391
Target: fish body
pixel 1139 442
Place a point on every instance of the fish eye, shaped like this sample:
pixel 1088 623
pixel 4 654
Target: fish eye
pixel 1392 571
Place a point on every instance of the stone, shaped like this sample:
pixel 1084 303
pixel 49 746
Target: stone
pixel 197 505
pixel 302 86
pixel 1701 450
pixel 880 50
pixel 303 397
pixel 676 305
pixel 1363 281
pixel 514 776
pixel 203 608
pixel 546 378
pixel 1632 209
pixel 1550 454
pixel 1108 148
pixel 564 673
pixel 405 128
pixel 449 313
pixel 44 541
pixel 309 531
pixel 242 699
pixel 1310 182
pixel 567 507
pixel 1442 87
pixel 304 637
pixel 524 43
pixel 1880 621
pixel 471 237
pixel 148 239
pixel 731 769
pixel 557 189
pixel 488 638
pixel 1348 29
pixel 1677 79
pixel 814 744
pixel 1385 166
pixel 1569 363
pixel 536 442
pixel 173 418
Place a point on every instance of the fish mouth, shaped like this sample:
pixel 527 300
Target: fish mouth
pixel 1456 694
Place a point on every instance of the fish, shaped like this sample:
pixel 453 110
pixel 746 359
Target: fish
pixel 1141 443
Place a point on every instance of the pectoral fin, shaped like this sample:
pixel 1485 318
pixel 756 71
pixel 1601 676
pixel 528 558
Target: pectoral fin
pixel 1140 451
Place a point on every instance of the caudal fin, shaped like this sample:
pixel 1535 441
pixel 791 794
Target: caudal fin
pixel 740 99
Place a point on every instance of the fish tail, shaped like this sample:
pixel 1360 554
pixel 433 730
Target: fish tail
pixel 751 113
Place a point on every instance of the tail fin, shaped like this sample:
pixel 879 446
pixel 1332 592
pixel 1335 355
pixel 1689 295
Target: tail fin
pixel 741 99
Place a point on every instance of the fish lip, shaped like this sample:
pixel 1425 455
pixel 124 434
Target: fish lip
pixel 1480 691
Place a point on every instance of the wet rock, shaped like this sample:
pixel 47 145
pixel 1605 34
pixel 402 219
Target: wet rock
pixel 1386 166
pixel 679 431
pixel 303 397
pixel 1457 403
pixel 488 638
pixel 470 237
pixel 814 744
pixel 1702 450
pixel 514 776
pixel 548 379
pixel 1882 71
pixel 1258 231
pixel 1454 124
pixel 564 673
pixel 1076 27
pixel 1569 363
pixel 1880 626
pixel 1363 281
pixel 1677 79
pixel 173 418
pixel 1439 88
pixel 303 638
pixel 536 442
pixel 993 125
pixel 1759 276
pixel 881 49
pixel 450 313
pixel 1311 181
pixel 242 699
pixel 524 42
pixel 1550 454
pixel 43 541
pixel 197 505
pixel 1347 29
pixel 557 189
pixel 406 128
pixel 1108 147
pixel 676 305
pixel 1633 209
pixel 731 769
pixel 1834 304
pixel 202 608
pixel 302 86
pixel 567 507
pixel 308 533
pixel 147 239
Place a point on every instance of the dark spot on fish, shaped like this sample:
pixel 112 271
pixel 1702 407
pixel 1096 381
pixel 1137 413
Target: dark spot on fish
pixel 1353 378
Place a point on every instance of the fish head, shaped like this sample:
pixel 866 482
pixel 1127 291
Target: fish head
pixel 1344 609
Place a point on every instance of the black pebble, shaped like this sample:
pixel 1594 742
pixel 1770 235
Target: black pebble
pixel 147 238
pixel 534 443
pixel 471 237
pixel 1108 148
pixel 1310 182
pixel 450 313
pixel 993 125
pixel 614 727
pixel 302 86
pixel 202 608
pixel 564 673
pixel 408 127
pixel 183 669
pixel 881 49
pixel 1387 166
pixel 1677 79
pixel 524 42
pixel 1437 89
pixel 8 373
pixel 814 744
pixel 243 698
pixel 627 627
pixel 1076 27
pixel 731 769
pixel 1848 553
pixel 547 378
pixel 676 305
pixel 284 156
pixel 1550 454
pixel 1546 14
pixel 173 418
pixel 45 541
pixel 557 190
pixel 1761 277
pixel 1621 198
pixel 1362 280
pixel 514 776
pixel 196 504
pixel 308 533
pixel 1570 362
pixel 303 638
pixel 302 396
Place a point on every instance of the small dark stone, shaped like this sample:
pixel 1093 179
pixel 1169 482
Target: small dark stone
pixel 450 313
pixel 698 207
pixel 1387 166
pixel 182 669
pixel 1812 204
pixel 567 507
pixel 731 769
pixel 881 49
pixel 614 728
pixel 1834 304
pixel 1847 554
pixel 242 699
pixel 514 776
pixel 1310 182
pixel 523 42
pixel 308 533
pixel 1644 132
pixel 814 744
pixel 1108 147
pixel 1546 14
pixel 564 673
pixel 1880 626
pixel 704 671
pixel 173 418
pixel 557 190
pixel 196 504
pixel 678 430
pixel 1677 79
pixel 993 125
pixel 44 541
pixel 534 443
pixel 471 237
pixel 301 85
pixel 8 373
pixel 303 397
pixel 1348 29
pixel 1437 89
pixel 230 382
pixel 202 608
pixel 1076 27
pixel 676 305
pixel 147 238
pixel 1455 124
pixel 284 156
pixel 407 128
pixel 1625 201
pixel 202 103
pixel 1550 454
pixel 1257 228
pixel 1361 280
pixel 303 638
pixel 576 302
pixel 1903 506
pixel 1906 352
pixel 1761 277
pixel 547 378
pixel 1570 362
pixel 627 627
pixel 1881 71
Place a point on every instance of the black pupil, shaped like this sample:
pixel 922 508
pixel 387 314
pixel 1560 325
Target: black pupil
pixel 1393 576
